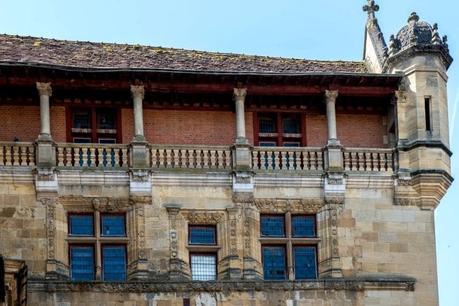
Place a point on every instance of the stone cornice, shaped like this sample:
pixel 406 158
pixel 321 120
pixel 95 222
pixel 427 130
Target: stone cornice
pixel 351 284
pixel 425 143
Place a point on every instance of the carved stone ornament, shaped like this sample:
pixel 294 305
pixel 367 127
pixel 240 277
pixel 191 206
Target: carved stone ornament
pixel 45 174
pixel 243 197
pixel 312 205
pixel 145 200
pixel 406 201
pixel 89 204
pixel 336 199
pixel 140 175
pixel 203 217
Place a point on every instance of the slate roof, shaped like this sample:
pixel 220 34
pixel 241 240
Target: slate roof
pixel 91 55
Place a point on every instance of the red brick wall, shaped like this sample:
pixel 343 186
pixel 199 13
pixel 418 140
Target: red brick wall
pixel 58 127
pixel 362 130
pixel 354 130
pixel 22 122
pixel 192 127
pixel 316 130
pixel 127 124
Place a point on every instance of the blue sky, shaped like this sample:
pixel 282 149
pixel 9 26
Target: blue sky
pixel 325 29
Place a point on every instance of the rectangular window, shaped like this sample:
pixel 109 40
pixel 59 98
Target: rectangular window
pixel 93 124
pixel 82 262
pixel 280 129
pixel 113 225
pixel 303 226
pixel 272 226
pixel 81 225
pixel 203 267
pixel 81 119
pixel 202 235
pixel 427 105
pixel 305 262
pixel 106 119
pixel 114 262
pixel 274 262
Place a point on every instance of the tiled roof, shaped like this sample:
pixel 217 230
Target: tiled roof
pixel 79 54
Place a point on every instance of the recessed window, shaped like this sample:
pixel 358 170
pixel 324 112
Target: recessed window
pixel 105 244
pixel 279 129
pixel 303 226
pixel 94 125
pixel 114 262
pixel 305 262
pixel 273 226
pixel 202 235
pixel 296 247
pixel 274 262
pixel 203 267
pixel 113 225
pixel 82 262
pixel 81 225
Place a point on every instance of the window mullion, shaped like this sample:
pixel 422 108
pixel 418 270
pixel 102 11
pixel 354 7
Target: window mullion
pixel 98 247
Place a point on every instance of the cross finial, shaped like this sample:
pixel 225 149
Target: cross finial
pixel 371 8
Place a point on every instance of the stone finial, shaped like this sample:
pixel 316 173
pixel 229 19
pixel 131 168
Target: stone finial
pixel 445 42
pixel 392 46
pixel 413 17
pixel 137 91
pixel 436 40
pixel 44 89
pixel 331 94
pixel 371 8
pixel 239 93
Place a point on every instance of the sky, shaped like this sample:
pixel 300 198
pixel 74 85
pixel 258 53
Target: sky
pixel 325 29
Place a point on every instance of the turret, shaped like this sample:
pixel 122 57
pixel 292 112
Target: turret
pixel 422 57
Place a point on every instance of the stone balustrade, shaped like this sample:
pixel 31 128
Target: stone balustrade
pixel 368 159
pixel 99 156
pixel 190 157
pixel 193 157
pixel 17 154
pixel 287 159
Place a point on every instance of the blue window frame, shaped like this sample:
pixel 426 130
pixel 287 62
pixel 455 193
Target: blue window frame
pixel 202 234
pixel 303 226
pixel 113 225
pixel 82 262
pixel 114 262
pixel 274 263
pixel 273 226
pixel 305 262
pixel 81 225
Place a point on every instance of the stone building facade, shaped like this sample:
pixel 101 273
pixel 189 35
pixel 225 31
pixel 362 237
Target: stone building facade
pixel 135 175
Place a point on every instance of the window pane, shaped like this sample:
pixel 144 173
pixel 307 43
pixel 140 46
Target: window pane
pixel 203 267
pixel 113 225
pixel 305 262
pixel 267 143
pixel 291 125
pixel 202 235
pixel 274 263
pixel 82 119
pixel 303 226
pixel 81 225
pixel 82 263
pixel 272 226
pixel 291 144
pixel 114 262
pixel 106 119
pixel 267 124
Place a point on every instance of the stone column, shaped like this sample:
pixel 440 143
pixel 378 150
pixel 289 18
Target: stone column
pixel 140 179
pixel 330 96
pixel 138 93
pixel 46 178
pixel 334 156
pixel 45 91
pixel 239 99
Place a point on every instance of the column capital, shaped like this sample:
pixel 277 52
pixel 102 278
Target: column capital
pixel 44 89
pixel 138 91
pixel 239 93
pixel 331 95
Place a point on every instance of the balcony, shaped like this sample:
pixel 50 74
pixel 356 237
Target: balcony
pixel 200 158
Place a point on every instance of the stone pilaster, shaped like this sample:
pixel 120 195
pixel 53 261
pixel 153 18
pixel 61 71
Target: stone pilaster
pixel 138 263
pixel 252 268
pixel 179 268
pixel 231 265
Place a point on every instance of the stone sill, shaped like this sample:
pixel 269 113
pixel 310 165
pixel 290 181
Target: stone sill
pixel 352 284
